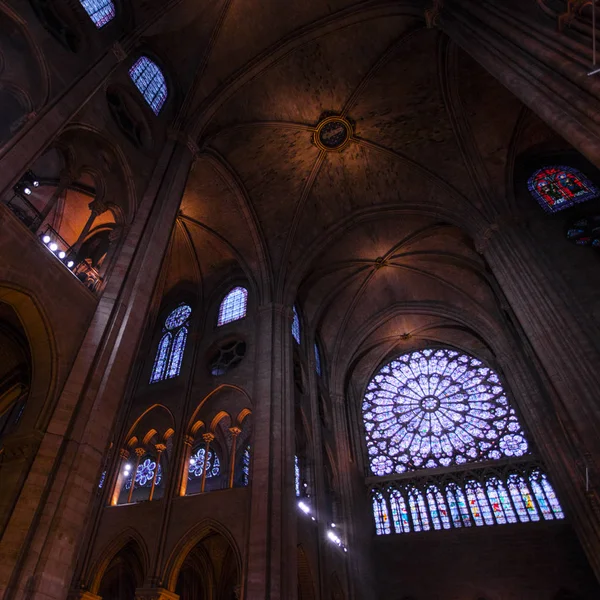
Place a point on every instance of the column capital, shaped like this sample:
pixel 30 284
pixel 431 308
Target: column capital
pixel 155 594
pixel 188 440
pixel 208 437
pixel 124 453
pixel 160 447
pixel 84 595
pixel 432 15
pixel 139 452
pixel 119 51
pixel 184 139
pixel 235 431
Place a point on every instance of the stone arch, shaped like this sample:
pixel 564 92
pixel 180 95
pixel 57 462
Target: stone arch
pixel 194 536
pixel 306 586
pixel 129 541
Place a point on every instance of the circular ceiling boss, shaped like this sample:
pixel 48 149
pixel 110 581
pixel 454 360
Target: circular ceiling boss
pixel 333 133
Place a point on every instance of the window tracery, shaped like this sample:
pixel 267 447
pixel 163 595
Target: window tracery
pixel 145 474
pixel 171 347
pixel 233 306
pixel 246 465
pixel 196 468
pixel 439 408
pixel 100 11
pixel 559 187
pixel 150 81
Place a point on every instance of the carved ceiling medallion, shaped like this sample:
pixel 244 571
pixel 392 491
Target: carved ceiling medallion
pixel 333 133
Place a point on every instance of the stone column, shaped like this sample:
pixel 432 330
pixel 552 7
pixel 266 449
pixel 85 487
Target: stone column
pixel 235 431
pixel 120 479
pixel 66 179
pixel 44 534
pixel 188 441
pixel 522 48
pixel 22 150
pixel 139 452
pixel 208 438
pixel 160 448
pixel 97 207
pixel 271 563
pixel 567 350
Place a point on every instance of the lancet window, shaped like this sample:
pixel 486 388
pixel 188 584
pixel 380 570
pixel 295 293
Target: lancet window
pixel 559 187
pixel 246 465
pixel 171 347
pixel 100 11
pixel 196 467
pixel 441 409
pixel 317 359
pixel 234 306
pixel 296 325
pixel 150 81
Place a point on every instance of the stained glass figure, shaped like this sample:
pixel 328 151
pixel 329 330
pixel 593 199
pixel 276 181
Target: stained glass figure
pixel 585 232
pixel 99 11
pixel 196 467
pixel 317 359
pixel 296 326
pixel 380 510
pixel 246 465
pixel 418 510
pixel 234 306
pixel 169 354
pixel 399 512
pixel 545 495
pixel 150 81
pixel 560 187
pixel 437 408
pixel 297 476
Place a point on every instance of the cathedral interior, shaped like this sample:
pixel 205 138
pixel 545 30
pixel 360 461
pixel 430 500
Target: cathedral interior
pixel 299 300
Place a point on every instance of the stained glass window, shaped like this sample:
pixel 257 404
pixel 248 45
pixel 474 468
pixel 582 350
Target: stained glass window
pixel 99 11
pixel 297 476
pixel 233 306
pixel 476 499
pixel 559 187
pixel 246 465
pixel 196 467
pixel 438 408
pixel 150 81
pixel 171 347
pixel 145 474
pixel 296 326
pixel 317 359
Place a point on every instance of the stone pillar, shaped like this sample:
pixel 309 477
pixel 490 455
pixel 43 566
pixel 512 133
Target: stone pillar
pixel 235 431
pixel 155 594
pixel 208 438
pixel 97 207
pixel 66 179
pixel 31 141
pixel 139 452
pixel 188 441
pixel 120 479
pixel 568 353
pixel 271 563
pixel 44 534
pixel 160 448
pixel 522 48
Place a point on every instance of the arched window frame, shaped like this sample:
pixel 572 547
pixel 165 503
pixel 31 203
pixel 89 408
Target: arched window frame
pixel 557 187
pixel 296 326
pixel 318 359
pixel 150 81
pixel 234 306
pixel 171 347
pixel 101 12
pixel 476 497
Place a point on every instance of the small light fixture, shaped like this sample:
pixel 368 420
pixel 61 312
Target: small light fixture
pixel 333 524
pixel 27 191
pixel 46 239
pixel 61 254
pixel 192 461
pixel 36 183
pixel 53 246
pixel 304 508
pixel 70 264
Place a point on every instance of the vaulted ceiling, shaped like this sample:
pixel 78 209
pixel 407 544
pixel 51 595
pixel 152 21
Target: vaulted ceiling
pixel 375 240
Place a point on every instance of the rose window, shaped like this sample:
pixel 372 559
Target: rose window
pixel 438 408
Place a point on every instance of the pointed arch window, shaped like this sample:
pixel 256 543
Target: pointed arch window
pixel 246 465
pixel 297 477
pixel 317 359
pixel 296 325
pixel 234 306
pixel 196 467
pixel 437 409
pixel 100 11
pixel 150 81
pixel 171 347
pixel 559 187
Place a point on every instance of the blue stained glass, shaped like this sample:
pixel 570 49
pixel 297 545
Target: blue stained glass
pixel 145 474
pixel 399 512
pixel 99 11
pixel 196 466
pixel 560 187
pixel 296 326
pixel 150 81
pixel 433 509
pixel 102 480
pixel 160 362
pixel 177 353
pixel 234 306
pixel 380 511
pixel 246 465
pixel 317 359
pixel 438 408
pixel 545 496
pixel 169 354
pixel 297 476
